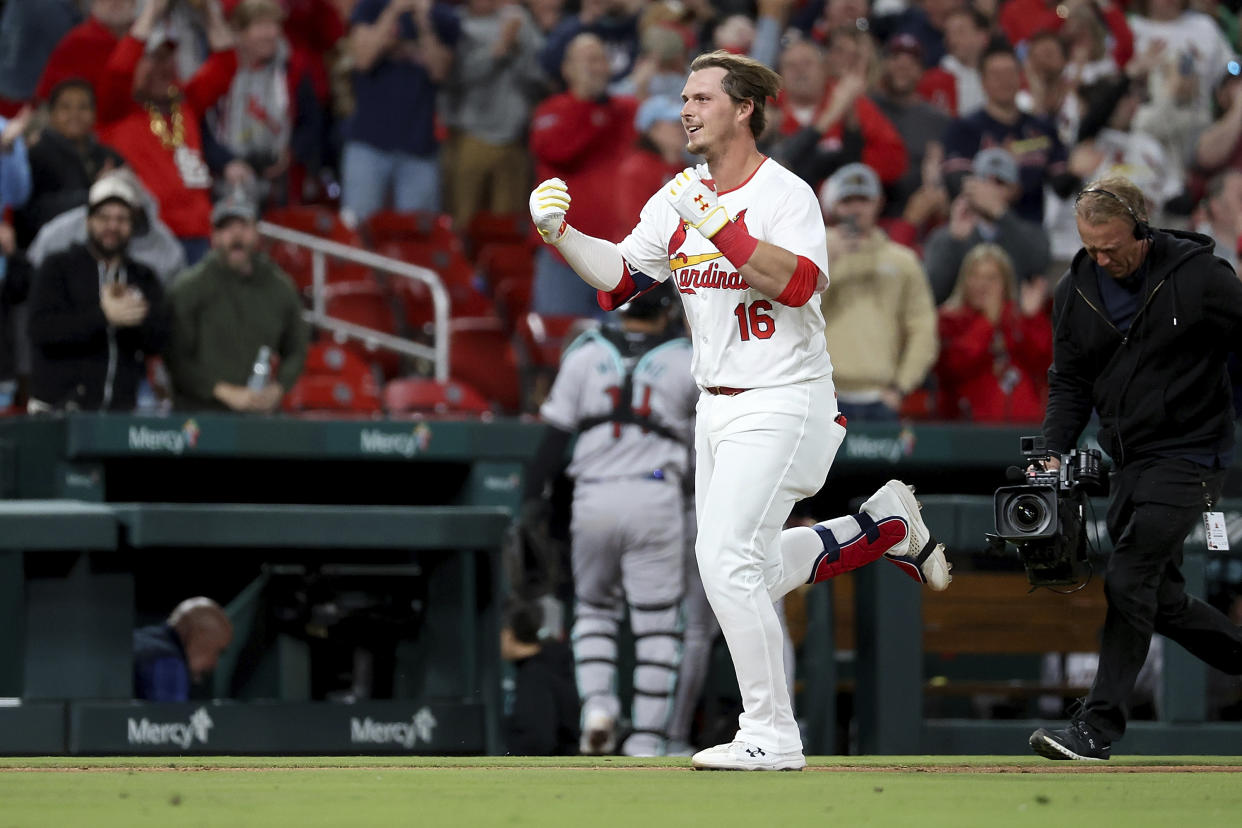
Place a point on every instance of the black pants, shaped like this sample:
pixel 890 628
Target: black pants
pixel 1156 503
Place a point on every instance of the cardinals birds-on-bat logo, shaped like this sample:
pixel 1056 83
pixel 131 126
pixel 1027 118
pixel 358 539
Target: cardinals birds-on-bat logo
pixel 678 259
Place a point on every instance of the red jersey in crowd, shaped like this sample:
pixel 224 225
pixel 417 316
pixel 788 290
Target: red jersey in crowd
pixel 80 53
pixel 883 149
pixel 939 88
pixel 313 28
pixel 165 152
pixel 639 175
pixel 581 143
pixel 1020 19
pixel 993 373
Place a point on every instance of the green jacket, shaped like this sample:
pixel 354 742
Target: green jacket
pixel 220 320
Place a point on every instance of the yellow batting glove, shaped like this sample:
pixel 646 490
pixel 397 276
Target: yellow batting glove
pixel 695 202
pixel 549 202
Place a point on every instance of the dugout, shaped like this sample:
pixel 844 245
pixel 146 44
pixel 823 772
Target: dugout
pixel 107 520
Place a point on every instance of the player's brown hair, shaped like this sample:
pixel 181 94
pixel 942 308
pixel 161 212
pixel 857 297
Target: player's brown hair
pixel 745 79
pixel 1108 198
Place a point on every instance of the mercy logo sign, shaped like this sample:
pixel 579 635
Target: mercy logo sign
pixel 168 440
pixel 890 449
pixel 398 443
pixel 418 729
pixel 182 734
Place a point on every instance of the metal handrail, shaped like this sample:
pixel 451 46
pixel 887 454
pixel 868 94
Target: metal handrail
pixel 318 315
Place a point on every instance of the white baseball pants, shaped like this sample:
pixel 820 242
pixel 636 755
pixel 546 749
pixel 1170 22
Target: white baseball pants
pixel 758 453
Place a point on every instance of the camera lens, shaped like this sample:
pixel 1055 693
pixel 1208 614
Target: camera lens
pixel 1029 514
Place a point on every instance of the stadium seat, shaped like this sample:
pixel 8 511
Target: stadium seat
pixel 499 228
pixel 421 395
pixel 481 354
pixel 435 229
pixel 455 271
pixel 337 394
pixel 512 298
pixel 543 337
pixel 296 260
pixel 329 358
pixel 368 305
pixel 498 263
pixel 318 221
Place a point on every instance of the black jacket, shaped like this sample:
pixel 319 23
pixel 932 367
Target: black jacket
pixel 545 705
pixel 75 349
pixel 61 174
pixel 1162 389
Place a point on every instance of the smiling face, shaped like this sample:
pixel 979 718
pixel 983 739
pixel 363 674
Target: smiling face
pixel 1112 246
pixel 711 118
pixel 73 113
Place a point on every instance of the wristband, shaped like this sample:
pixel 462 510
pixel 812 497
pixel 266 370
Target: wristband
pixel 735 243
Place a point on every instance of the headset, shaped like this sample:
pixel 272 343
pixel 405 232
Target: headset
pixel 1141 228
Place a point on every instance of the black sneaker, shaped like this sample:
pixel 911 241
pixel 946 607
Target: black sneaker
pixel 1078 741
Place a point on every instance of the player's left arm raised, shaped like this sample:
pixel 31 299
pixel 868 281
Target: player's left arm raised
pixel 773 271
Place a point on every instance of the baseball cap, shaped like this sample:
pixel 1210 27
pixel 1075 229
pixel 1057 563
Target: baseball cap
pixel 655 109
pixel 851 181
pixel 233 207
pixel 997 163
pixel 111 188
pixel 904 44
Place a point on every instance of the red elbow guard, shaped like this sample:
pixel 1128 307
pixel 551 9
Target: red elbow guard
pixel 801 285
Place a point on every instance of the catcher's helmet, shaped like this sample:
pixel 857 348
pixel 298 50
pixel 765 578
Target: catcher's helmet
pixel 649 305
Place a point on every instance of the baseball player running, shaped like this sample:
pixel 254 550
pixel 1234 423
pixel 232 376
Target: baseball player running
pixel 743 241
pixel 628 393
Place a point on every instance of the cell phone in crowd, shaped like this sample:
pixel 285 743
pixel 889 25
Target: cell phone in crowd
pixel 1186 63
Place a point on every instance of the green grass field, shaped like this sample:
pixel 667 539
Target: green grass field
pixel 579 792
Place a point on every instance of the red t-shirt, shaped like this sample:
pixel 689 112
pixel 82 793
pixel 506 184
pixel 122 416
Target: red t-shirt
pixel 939 88
pixel 993 374
pixel 80 54
pixel 883 149
pixel 581 142
pixel 177 178
pixel 639 176
pixel 1020 19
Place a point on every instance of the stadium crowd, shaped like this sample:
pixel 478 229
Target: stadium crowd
pixel 141 140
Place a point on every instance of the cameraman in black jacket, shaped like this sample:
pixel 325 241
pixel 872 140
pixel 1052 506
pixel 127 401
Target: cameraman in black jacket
pixel 1142 325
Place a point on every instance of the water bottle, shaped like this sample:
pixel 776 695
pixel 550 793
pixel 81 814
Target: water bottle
pixel 262 370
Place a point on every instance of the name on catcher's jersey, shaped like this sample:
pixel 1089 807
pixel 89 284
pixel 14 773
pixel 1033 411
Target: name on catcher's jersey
pixel 742 338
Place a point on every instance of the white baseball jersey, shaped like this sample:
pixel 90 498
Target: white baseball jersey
pixel 588 384
pixel 742 339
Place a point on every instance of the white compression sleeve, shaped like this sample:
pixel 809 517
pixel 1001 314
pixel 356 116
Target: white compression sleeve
pixel 598 262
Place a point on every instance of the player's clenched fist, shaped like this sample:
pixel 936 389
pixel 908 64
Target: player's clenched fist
pixel 548 204
pixel 696 202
